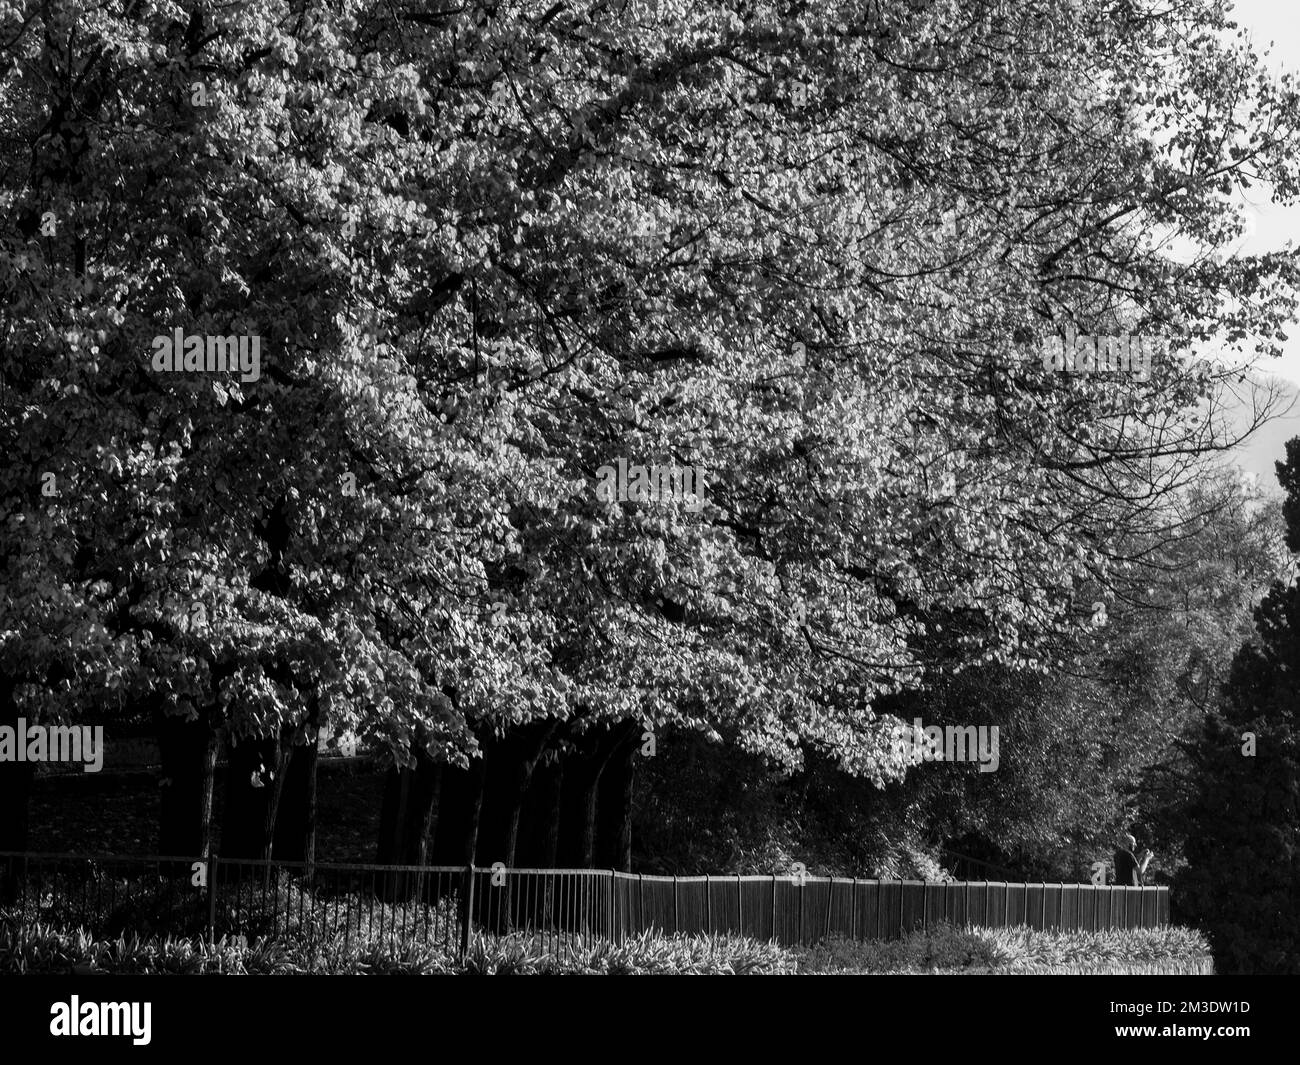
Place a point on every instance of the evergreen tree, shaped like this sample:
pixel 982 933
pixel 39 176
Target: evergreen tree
pixel 1242 883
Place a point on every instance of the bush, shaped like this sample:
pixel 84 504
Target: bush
pixel 948 949
pixel 46 949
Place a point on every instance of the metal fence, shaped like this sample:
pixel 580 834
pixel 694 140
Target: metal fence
pixel 556 908
pixel 794 913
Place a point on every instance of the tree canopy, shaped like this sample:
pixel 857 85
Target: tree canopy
pixel 812 250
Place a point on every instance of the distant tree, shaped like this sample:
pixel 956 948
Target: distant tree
pixel 1242 820
pixel 1087 747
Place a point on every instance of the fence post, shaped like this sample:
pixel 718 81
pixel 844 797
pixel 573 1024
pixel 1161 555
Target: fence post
pixel 640 902
pixel 853 910
pixel 708 905
pixel 801 887
pixel 466 909
pixel 774 939
pixel 677 923
pixel 740 907
pixel 212 899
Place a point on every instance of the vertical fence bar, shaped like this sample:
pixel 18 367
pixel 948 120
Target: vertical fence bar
pixel 212 899
pixel 467 903
pixel 347 917
pixel 801 886
pixel 774 909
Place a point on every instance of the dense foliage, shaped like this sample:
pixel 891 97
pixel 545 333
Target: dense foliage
pixel 811 250
pixel 1242 817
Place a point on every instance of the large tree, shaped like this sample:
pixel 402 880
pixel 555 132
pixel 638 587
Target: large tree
pixel 490 249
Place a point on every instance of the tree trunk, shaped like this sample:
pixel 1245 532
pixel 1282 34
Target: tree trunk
pixel 475 783
pixel 588 794
pixel 510 763
pixel 295 819
pixel 411 812
pixel 424 818
pixel 614 807
pixel 456 841
pixel 449 833
pixel 279 770
pixel 309 814
pixel 249 789
pixel 551 803
pixel 538 839
pixel 522 782
pixel 209 771
pixel 15 801
pixel 582 792
pixel 578 810
pixel 188 756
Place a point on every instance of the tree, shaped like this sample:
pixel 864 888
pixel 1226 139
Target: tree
pixel 1242 823
pixel 492 248
pixel 1086 750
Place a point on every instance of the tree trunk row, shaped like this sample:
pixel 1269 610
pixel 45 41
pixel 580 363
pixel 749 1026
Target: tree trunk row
pixel 519 804
pixel 524 803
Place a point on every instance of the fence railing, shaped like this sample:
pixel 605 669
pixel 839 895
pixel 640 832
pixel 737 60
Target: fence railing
pixel 557 908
